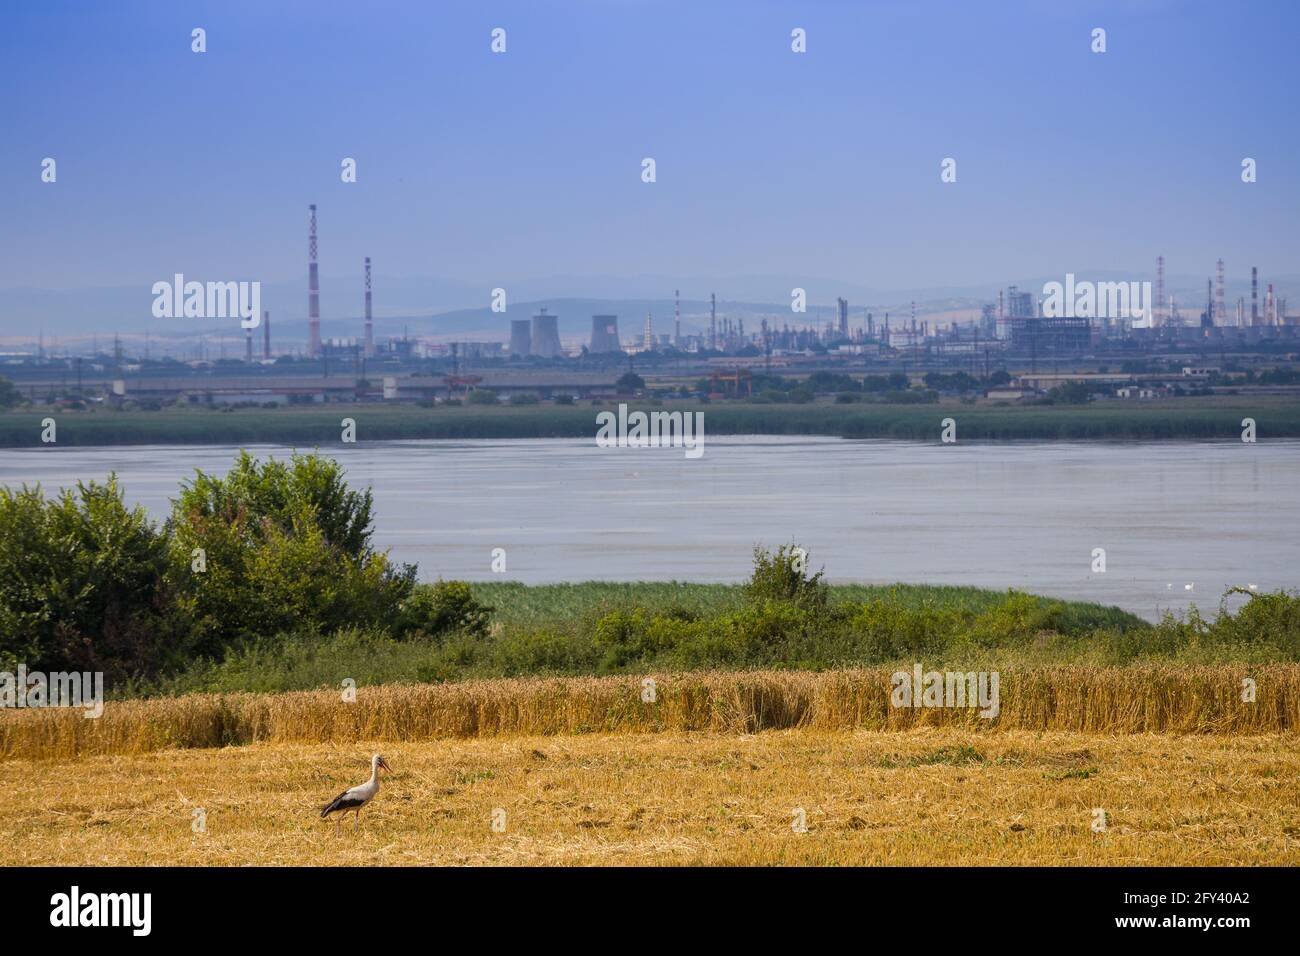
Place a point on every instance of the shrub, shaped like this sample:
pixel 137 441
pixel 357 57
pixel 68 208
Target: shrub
pixel 276 547
pixel 1269 619
pixel 445 607
pixel 482 396
pixel 782 576
pixel 81 582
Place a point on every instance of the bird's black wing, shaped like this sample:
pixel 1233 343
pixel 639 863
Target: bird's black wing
pixel 341 802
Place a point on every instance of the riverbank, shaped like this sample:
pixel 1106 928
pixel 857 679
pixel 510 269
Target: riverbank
pixel 1199 419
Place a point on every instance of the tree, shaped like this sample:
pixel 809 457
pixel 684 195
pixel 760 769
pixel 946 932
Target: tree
pixel 9 394
pixel 630 382
pixel 1071 393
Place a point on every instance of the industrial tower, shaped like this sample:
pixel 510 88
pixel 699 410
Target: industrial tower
pixel 677 318
pixel 1254 295
pixel 313 290
pixel 649 343
pixel 1160 291
pixel 1220 311
pixel 713 320
pixel 370 325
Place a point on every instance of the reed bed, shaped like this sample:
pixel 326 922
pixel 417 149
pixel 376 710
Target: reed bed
pixel 1128 700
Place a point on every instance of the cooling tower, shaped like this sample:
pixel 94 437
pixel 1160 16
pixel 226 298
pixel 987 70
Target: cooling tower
pixel 520 337
pixel 604 334
pixel 546 336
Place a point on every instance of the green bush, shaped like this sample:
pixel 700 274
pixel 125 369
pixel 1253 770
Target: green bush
pixel 435 610
pixel 782 576
pixel 82 583
pixel 1267 619
pixel 278 546
pixel 482 396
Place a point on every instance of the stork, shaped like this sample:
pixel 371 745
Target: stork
pixel 358 796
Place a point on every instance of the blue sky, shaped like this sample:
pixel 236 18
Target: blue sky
pixel 480 167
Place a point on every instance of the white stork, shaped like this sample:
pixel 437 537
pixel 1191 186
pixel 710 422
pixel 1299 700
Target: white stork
pixel 358 796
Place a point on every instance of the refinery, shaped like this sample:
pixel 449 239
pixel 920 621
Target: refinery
pixel 1123 339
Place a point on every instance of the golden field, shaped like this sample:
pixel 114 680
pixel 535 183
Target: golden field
pixel 926 796
pixel 1074 698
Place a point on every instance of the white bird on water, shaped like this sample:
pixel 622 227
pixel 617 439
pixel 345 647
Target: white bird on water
pixel 358 796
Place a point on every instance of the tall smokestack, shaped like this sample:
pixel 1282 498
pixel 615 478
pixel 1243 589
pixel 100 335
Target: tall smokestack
pixel 313 290
pixel 1254 295
pixel 248 346
pixel 677 318
pixel 1220 310
pixel 713 320
pixel 266 335
pixel 1160 291
pixel 370 325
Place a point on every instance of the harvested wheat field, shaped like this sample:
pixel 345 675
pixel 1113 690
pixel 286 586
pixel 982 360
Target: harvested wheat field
pixel 926 796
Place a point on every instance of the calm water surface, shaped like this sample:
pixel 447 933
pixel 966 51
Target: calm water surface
pixel 1024 515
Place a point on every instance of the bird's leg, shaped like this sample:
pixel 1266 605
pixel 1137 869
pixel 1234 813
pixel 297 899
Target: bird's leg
pixel 356 820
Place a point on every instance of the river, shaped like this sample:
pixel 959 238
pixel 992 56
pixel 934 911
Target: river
pixel 1023 515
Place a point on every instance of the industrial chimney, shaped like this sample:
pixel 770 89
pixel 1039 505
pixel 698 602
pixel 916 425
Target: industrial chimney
pixel 1220 310
pixel 370 325
pixel 1254 295
pixel 713 320
pixel 313 291
pixel 677 318
pixel 266 335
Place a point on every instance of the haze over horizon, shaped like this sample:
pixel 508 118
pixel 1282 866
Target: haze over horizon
pixel 477 170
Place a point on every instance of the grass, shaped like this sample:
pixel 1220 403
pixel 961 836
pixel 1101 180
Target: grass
pixel 1079 699
pixel 558 630
pixel 1217 417
pixel 548 605
pixel 598 628
pixel 879 799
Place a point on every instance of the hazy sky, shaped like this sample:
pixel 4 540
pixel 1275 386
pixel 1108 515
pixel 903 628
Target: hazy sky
pixel 482 167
